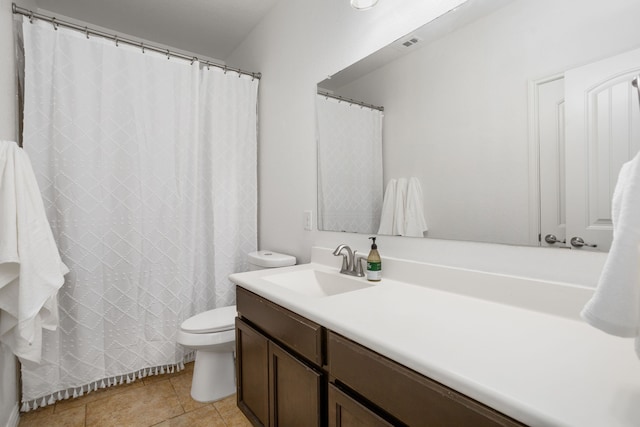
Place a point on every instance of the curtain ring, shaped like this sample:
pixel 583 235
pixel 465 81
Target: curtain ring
pixel 55 25
pixel 86 31
pixel 253 76
pixel 115 38
pixel 142 46
pixel 225 69
pixel 31 17
pixel 208 65
pixel 168 54
pixel 194 59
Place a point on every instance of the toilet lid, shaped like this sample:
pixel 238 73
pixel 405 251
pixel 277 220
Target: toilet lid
pixel 216 320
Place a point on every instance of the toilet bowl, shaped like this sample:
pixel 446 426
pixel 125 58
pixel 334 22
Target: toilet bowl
pixel 212 335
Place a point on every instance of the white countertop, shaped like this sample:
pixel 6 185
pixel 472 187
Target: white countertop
pixel 539 368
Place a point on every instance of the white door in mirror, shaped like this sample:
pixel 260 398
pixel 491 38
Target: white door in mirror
pixel 602 133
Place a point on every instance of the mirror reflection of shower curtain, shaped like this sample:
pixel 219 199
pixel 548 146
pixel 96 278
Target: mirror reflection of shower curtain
pixel 349 166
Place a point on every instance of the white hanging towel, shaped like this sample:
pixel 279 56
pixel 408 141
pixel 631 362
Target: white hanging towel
pixel 414 223
pixel 399 211
pixel 388 209
pixel 31 271
pixel 615 305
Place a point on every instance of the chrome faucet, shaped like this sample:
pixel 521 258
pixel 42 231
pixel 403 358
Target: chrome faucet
pixel 351 261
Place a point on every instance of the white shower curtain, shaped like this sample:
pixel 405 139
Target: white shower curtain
pixel 349 166
pixel 147 168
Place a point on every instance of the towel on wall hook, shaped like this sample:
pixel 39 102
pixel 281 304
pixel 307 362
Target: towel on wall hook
pixel 403 209
pixel 31 271
pixel 615 305
pixel 414 223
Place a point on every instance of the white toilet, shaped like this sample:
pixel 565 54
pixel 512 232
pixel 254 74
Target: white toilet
pixel 212 335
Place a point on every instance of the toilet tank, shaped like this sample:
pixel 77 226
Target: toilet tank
pixel 268 259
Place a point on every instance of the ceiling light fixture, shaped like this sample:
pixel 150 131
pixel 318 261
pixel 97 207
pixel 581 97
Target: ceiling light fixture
pixel 363 4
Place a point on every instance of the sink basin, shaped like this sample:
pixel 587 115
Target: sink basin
pixel 315 283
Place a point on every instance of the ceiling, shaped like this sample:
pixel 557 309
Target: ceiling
pixel 455 19
pixel 211 28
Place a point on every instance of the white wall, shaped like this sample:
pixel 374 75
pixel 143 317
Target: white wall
pixel 299 44
pixel 456 109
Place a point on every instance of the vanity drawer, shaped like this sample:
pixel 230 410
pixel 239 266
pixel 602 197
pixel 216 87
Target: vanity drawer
pixel 410 397
pixel 300 335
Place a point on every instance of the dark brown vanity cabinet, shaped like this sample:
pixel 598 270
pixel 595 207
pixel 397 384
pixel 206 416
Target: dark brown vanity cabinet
pixel 345 411
pixel 293 372
pixel 371 384
pixel 278 357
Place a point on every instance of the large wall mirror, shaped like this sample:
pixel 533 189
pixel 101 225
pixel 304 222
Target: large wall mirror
pixel 502 121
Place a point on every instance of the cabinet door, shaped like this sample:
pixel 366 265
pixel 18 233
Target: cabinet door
pixel 412 398
pixel 296 391
pixel 252 369
pixel 346 412
pixel 295 332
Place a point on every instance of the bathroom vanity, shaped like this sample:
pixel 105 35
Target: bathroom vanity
pixel 454 348
pixel 292 371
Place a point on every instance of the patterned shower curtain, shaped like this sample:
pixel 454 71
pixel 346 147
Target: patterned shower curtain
pixel 349 166
pixel 147 168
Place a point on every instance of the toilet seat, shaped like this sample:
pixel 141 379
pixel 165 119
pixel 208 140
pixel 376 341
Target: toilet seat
pixel 224 340
pixel 216 320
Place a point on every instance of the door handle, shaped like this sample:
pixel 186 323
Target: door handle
pixel 578 242
pixel 551 239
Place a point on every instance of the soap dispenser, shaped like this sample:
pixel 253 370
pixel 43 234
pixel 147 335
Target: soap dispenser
pixel 374 265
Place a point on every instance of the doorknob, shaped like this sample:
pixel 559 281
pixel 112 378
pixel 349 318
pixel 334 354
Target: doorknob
pixel 551 239
pixel 578 242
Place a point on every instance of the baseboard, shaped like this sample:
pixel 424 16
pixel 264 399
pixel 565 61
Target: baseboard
pixel 14 417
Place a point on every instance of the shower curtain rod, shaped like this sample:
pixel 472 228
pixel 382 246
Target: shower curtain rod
pixel 91 31
pixel 349 100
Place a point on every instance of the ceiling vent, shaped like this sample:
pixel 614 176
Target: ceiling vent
pixel 408 42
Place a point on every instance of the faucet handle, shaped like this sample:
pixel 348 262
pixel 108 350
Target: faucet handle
pixel 358 264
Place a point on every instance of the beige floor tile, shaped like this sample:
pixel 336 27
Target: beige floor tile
pixel 237 420
pixel 73 417
pixel 102 393
pixel 227 406
pixel 27 418
pixel 230 412
pixel 163 401
pixel 206 416
pixel 182 386
pixel 140 406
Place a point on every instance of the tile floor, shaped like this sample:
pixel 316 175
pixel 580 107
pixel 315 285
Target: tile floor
pixel 160 401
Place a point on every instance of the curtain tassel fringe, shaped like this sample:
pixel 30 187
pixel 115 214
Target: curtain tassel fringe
pixel 75 392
